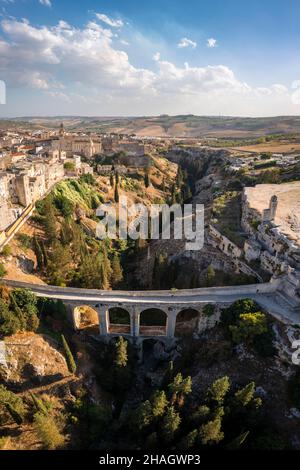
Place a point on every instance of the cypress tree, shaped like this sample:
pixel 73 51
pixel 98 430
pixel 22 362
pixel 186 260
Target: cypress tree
pixel 38 254
pixel 39 405
pixel 117 198
pixel 117 272
pixel 13 413
pixel 69 356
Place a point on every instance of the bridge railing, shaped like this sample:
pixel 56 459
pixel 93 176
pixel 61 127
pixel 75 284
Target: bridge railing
pixel 72 292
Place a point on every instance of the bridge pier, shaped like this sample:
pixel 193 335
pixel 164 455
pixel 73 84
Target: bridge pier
pixel 134 322
pixel 103 320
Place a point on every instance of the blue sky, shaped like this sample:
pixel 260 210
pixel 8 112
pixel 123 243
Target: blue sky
pixel 127 57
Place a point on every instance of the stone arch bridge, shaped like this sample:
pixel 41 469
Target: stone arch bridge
pixel 272 296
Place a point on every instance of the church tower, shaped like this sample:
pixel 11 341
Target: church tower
pixel 61 130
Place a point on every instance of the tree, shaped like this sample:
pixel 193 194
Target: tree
pixel 231 314
pixel 147 178
pixel 38 254
pixel 14 413
pixel 179 388
pixel 170 424
pixel 48 431
pixel 210 432
pixel 64 205
pixel 6 250
pixel 59 262
pixel 245 395
pixel 210 275
pixel 24 303
pixel 188 441
pixel 12 404
pixel 218 389
pixel 38 404
pixel 49 219
pixel 200 414
pixel 111 180
pixel 69 356
pixel 3 271
pixel 117 272
pixel 143 416
pixel 121 357
pixel 159 403
pixel 9 322
pixel 248 327
pixel 116 193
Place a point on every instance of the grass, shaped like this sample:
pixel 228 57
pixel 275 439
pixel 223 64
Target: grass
pixel 78 192
pixel 227 213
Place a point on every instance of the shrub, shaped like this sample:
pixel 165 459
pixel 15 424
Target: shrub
pixel 12 404
pixel 48 431
pixel 69 166
pixel 209 309
pixel 248 327
pixel 6 250
pixel 25 240
pixel 2 270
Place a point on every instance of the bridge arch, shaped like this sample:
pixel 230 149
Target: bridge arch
pixel 118 321
pixel 86 318
pixel 153 322
pixel 186 322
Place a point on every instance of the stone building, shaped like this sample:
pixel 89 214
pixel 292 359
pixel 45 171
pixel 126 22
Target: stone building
pixel 84 145
pixel 271 217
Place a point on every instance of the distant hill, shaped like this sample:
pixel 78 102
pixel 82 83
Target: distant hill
pixel 173 126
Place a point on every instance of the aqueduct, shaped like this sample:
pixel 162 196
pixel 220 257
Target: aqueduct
pixel 158 314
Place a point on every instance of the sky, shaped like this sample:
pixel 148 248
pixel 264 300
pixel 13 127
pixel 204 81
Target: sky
pixel 135 58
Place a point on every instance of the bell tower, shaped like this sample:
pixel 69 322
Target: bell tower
pixel 61 130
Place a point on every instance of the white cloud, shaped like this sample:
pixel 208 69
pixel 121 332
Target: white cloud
pixel 211 42
pixel 59 95
pixel 109 21
pixel 279 89
pixel 46 3
pixel 85 66
pixel 185 42
pixel 124 42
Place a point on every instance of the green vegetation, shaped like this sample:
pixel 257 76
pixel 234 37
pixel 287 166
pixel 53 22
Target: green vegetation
pixel 6 250
pixel 2 270
pixel 12 407
pixel 69 166
pixel 18 312
pixel 48 431
pixel 25 240
pixel 69 356
pixel 246 324
pixel 227 216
